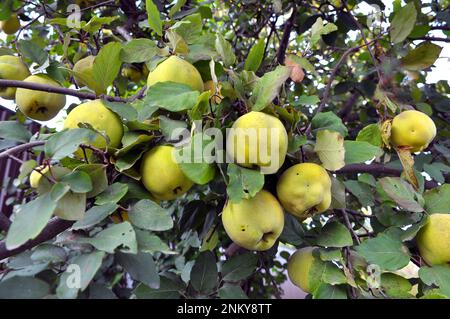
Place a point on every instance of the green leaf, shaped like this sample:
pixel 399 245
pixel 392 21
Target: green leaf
pixel 255 56
pixel 178 5
pixel 80 273
pixel 154 18
pixel 371 134
pixel 326 291
pixel 107 65
pixel 147 214
pixel 32 51
pixel 117 236
pixel 293 232
pixel 97 173
pixel 395 286
pixel 64 143
pixel 361 191
pixel 14 131
pixel 225 50
pixel 204 273
pixel 324 272
pixel 239 267
pixel 39 211
pixel 296 142
pixel 359 152
pixel 328 121
pixel 403 23
pixel 95 215
pixel 338 195
pixel 307 100
pixel 318 29
pixel 229 291
pixel 168 289
pixel 190 28
pixel 401 192
pixel 170 127
pixel 23 288
pixel 171 96
pixel 112 194
pixel 78 181
pixel 435 171
pixel 422 57
pixel 386 252
pixel 330 149
pixel 193 161
pixel 141 267
pixel 438 275
pixel 150 243
pixel 243 182
pixel 334 234
pixel 268 87
pixel 124 110
pixel 437 200
pixel 138 51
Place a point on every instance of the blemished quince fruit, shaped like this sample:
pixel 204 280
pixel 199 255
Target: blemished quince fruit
pixel 433 240
pixel 10 26
pixel 12 68
pixel 254 223
pixel 177 70
pixel 102 119
pixel 258 139
pixel 72 205
pixel 299 268
pixel 412 129
pixel 304 190
pixel 37 174
pixel 161 174
pixel 40 105
pixel 84 74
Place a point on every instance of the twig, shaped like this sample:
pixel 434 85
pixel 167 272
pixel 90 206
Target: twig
pixel 349 226
pixel 66 91
pixel 20 148
pixel 53 228
pixel 286 35
pixel 433 39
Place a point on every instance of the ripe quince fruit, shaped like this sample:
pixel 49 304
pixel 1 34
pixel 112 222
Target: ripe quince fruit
pixel 40 105
pixel 258 139
pixel 254 223
pixel 161 174
pixel 12 68
pixel 84 74
pixel 412 129
pixel 304 190
pixel 299 268
pixel 177 70
pixel 10 26
pixel 102 119
pixel 433 240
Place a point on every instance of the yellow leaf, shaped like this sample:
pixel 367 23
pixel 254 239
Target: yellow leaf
pixel 408 166
pixel 386 133
pixel 330 149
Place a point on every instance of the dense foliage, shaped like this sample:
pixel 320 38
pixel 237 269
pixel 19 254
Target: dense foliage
pixel 334 72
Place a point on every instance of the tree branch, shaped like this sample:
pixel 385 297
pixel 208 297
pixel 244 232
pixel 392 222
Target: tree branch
pixel 53 228
pixel 433 39
pixel 20 148
pixel 286 35
pixel 62 90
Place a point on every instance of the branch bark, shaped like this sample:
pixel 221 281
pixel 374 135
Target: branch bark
pixel 20 148
pixel 62 90
pixel 54 227
pixel 286 35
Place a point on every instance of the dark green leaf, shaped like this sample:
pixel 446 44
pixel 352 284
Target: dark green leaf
pixel 147 214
